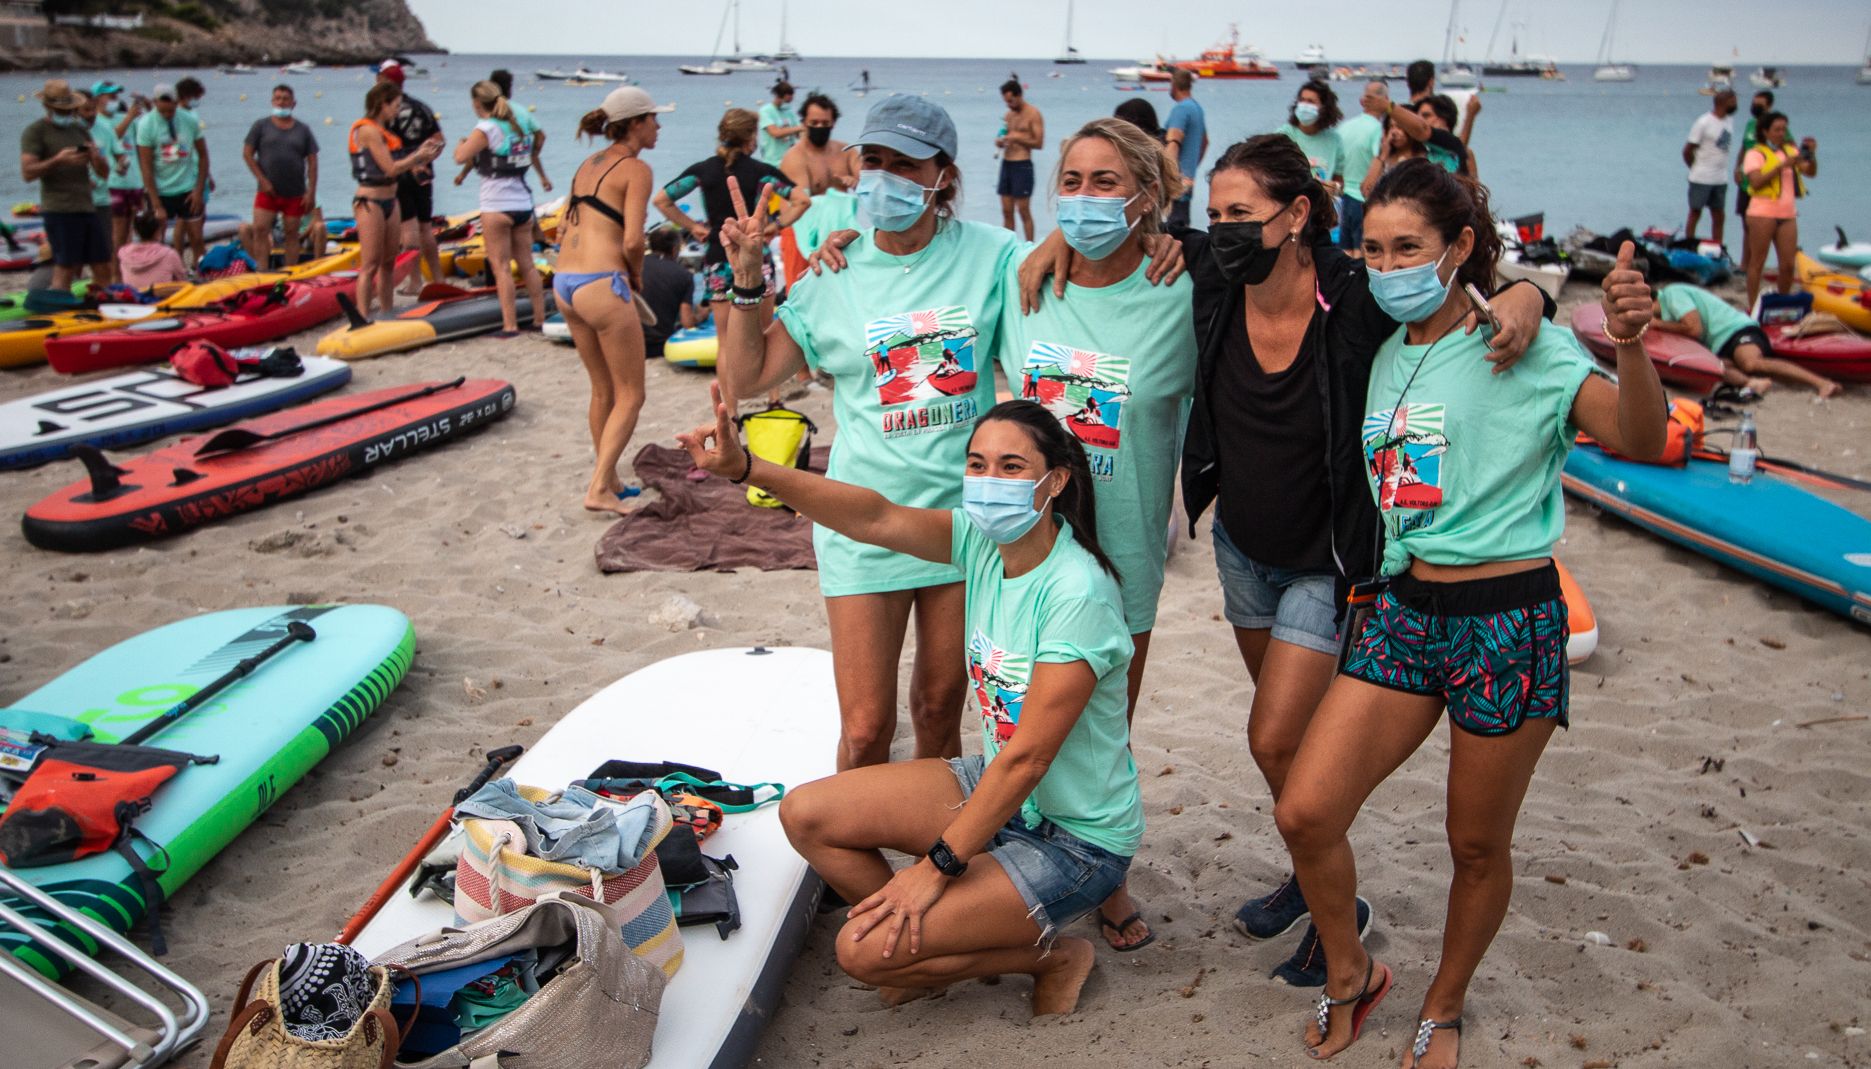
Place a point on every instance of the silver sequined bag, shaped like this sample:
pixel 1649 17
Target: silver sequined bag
pixel 600 1008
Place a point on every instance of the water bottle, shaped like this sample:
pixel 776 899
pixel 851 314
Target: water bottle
pixel 1743 455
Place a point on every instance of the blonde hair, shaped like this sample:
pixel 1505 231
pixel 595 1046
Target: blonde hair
pixel 488 95
pixel 735 130
pixel 1150 167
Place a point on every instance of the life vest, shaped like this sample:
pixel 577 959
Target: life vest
pixel 514 158
pixel 363 165
pixel 1770 160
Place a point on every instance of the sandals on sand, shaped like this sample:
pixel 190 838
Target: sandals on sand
pixel 1361 1005
pixel 1426 1031
pixel 1116 928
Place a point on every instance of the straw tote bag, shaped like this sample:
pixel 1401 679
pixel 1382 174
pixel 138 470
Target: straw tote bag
pixel 256 1037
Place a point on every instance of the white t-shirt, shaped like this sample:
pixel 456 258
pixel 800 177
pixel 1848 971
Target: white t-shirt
pixel 1713 139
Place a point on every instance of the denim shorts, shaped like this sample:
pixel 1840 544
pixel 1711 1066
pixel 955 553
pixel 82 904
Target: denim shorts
pixel 1297 606
pixel 1060 876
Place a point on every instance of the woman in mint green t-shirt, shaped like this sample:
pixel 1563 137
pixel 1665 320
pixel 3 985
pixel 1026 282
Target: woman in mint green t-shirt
pixel 906 331
pixel 1040 828
pixel 1114 360
pixel 1464 463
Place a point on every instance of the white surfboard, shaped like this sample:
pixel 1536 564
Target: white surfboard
pixel 754 716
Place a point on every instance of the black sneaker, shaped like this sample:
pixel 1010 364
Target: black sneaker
pixel 1306 968
pixel 1274 915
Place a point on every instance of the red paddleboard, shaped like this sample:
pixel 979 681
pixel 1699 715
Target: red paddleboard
pixel 1843 355
pixel 242 320
pixel 257 463
pixel 1680 361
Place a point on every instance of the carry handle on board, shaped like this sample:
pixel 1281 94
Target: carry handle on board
pixel 296 631
pixel 240 438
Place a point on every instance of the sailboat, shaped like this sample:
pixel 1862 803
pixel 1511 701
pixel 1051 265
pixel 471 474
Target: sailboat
pixel 786 53
pixel 1454 74
pixel 1609 70
pixel 743 61
pixel 1864 72
pixel 1517 66
pixel 1070 55
pixel 714 64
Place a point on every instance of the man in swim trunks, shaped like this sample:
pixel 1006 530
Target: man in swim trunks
pixel 818 162
pixel 1024 129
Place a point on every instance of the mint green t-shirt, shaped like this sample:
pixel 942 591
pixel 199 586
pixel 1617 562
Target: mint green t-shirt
pixel 829 211
pixel 132 177
pixel 173 142
pixel 1720 320
pixel 773 148
pixel 104 132
pixel 1116 364
pixel 909 343
pixel 1062 611
pixel 1359 138
pixel 1322 149
pixel 1465 468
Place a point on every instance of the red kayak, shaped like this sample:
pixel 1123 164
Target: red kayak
pixel 248 318
pixel 257 463
pixel 1679 361
pixel 1843 355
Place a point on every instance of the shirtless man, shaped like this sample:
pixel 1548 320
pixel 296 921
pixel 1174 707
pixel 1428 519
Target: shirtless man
pixel 817 162
pixel 1024 129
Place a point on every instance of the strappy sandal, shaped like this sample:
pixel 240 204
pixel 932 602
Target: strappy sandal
pixel 1426 1031
pixel 1362 1004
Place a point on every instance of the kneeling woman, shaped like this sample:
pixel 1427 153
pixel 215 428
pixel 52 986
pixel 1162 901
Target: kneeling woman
pixel 1035 833
pixel 1464 464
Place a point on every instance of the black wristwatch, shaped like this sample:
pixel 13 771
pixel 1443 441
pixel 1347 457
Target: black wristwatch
pixel 945 861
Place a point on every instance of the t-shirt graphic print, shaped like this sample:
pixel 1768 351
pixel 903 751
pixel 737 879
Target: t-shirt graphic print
pixel 1404 448
pixel 1000 680
pixel 1086 391
pixel 923 356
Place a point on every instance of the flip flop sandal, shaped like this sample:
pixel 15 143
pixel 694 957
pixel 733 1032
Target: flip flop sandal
pixel 1117 928
pixel 1426 1031
pixel 629 492
pixel 1361 1005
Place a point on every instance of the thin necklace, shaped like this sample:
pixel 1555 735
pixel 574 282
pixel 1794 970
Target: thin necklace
pixel 924 254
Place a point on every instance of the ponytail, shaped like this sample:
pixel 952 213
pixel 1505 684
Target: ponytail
pixel 488 95
pixel 1448 202
pixel 735 130
pixel 1077 504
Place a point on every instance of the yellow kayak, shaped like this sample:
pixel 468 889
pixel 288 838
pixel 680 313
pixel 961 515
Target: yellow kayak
pixel 1835 292
pixel 22 341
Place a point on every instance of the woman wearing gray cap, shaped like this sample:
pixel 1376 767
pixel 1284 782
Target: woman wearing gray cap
pixel 600 267
pixel 907 332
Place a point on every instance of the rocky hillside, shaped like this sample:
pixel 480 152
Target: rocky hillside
pixel 208 32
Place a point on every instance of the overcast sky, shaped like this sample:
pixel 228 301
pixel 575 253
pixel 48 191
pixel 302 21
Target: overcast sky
pixel 1657 31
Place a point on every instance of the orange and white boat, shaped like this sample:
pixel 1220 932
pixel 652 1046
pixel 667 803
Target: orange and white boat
pixel 1219 62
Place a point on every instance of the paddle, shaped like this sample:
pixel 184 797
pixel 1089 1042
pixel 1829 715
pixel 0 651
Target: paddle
pixel 495 759
pixel 296 631
pixel 235 438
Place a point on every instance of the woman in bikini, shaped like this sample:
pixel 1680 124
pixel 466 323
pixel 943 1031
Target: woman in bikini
pixel 600 267
pixel 374 203
pixel 502 153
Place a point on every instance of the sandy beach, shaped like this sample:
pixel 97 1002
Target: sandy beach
pixel 1692 724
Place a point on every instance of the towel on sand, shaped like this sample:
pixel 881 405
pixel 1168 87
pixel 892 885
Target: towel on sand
pixel 703 526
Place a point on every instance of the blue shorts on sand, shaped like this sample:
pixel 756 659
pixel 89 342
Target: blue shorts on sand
pixel 1060 876
pixel 1296 606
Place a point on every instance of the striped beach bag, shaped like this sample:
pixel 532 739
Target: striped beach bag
pixel 495 876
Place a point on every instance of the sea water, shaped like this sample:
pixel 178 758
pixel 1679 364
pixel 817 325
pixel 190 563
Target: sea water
pixel 1588 154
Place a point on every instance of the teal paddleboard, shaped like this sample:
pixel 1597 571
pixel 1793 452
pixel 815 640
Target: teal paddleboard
pixel 266 730
pixel 1771 528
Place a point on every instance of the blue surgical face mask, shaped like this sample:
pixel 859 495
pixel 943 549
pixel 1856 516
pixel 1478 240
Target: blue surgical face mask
pixel 1411 294
pixel 892 202
pixel 1095 226
pixel 1001 509
pixel 1305 113
pixel 67 120
pixel 282 113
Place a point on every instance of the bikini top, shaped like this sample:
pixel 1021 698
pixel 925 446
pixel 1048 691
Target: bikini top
pixel 574 202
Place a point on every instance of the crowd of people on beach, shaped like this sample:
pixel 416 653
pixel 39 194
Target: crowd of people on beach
pixel 1329 365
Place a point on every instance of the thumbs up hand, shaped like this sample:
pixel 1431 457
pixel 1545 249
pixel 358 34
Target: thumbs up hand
pixel 1627 296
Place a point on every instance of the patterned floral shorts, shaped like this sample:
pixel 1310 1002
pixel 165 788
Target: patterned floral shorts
pixel 1493 649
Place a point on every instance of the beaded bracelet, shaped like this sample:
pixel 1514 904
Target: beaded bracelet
pixel 739 301
pixel 1632 340
pixel 745 472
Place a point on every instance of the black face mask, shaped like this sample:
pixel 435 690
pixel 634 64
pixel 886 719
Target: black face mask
pixel 1757 111
pixel 1241 254
pixel 820 136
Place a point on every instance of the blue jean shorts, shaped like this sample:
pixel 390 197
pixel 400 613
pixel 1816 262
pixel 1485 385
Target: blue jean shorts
pixel 1060 876
pixel 1297 606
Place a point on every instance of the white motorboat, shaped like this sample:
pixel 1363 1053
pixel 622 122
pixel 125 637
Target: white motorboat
pixel 1311 56
pixel 1767 78
pixel 236 68
pixel 304 66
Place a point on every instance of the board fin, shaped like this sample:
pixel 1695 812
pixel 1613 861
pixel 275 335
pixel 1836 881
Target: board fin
pixel 105 481
pixel 351 314
pixel 46 426
pixel 184 476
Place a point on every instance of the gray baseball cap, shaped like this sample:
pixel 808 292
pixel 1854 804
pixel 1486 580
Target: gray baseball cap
pixel 910 125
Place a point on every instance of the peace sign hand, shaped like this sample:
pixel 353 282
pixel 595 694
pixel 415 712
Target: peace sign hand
pixel 725 458
pixel 743 237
